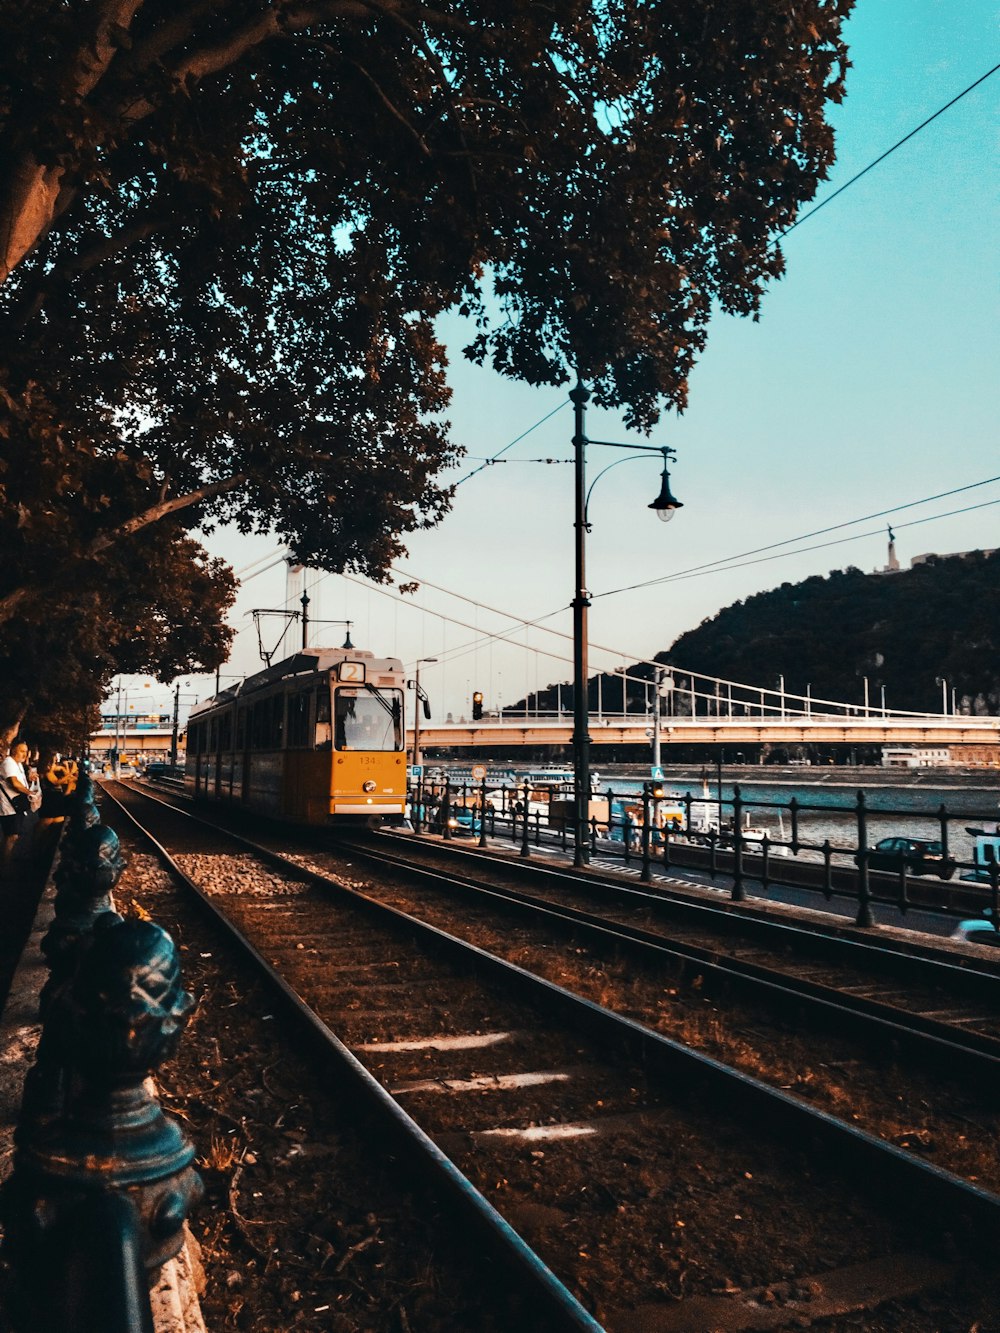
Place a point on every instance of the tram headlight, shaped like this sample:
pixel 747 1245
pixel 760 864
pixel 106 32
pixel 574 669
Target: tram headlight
pixel 368 786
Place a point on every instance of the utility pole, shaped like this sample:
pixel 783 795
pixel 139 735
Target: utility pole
pixel 657 687
pixel 173 734
pixel 581 601
pixel 118 728
pixel 420 700
pixel 305 619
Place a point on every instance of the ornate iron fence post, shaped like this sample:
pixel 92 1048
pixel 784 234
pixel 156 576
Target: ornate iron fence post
pixel 102 1180
pixel 739 892
pixel 482 814
pixel 525 845
pixel 793 806
pixel 827 869
pixel 646 875
pixel 445 810
pixel 864 917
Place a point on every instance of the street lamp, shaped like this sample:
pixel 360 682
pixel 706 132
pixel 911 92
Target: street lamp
pixel 175 730
pixel 421 698
pixel 116 767
pixel 665 505
pixel 661 680
pixel 121 734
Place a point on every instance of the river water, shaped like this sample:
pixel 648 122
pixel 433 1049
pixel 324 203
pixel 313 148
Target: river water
pixel 892 811
pixel 831 812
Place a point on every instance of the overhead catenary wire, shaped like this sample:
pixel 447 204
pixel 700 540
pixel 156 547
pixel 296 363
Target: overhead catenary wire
pixel 519 624
pixel 498 457
pixel 803 550
pixel 732 561
pixel 517 440
pixel 889 151
pixel 729 562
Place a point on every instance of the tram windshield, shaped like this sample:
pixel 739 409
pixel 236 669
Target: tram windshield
pixel 366 720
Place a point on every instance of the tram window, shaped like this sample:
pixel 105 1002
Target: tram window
pixel 213 735
pixel 226 732
pixel 361 722
pixel 241 729
pixel 322 737
pixel 298 719
pixel 267 723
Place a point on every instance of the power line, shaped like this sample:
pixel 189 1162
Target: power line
pixel 727 561
pixel 522 436
pixel 889 151
pixel 805 550
pixel 719 566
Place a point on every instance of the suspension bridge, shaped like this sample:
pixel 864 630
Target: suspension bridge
pixel 683 707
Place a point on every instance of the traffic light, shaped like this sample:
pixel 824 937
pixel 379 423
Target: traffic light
pixel 477 705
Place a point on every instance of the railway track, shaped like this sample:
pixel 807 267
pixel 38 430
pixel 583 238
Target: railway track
pixel 660 1186
pixel 941 1010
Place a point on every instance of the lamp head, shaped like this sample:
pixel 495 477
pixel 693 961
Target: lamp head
pixel 665 504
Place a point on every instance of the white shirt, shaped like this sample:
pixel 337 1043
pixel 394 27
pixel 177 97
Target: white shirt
pixel 10 768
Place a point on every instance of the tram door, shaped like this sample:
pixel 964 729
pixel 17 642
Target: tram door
pixel 224 776
pixel 242 752
pixel 215 758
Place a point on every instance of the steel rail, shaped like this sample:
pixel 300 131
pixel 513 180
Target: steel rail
pixel 422 1152
pixel 948 1048
pixel 874 1163
pixel 964 975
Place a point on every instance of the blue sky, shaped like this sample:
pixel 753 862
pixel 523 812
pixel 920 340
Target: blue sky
pixel 869 382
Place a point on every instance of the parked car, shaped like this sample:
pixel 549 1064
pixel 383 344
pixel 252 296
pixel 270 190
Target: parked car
pixel 156 769
pixel 464 820
pixel 920 857
pixel 977 931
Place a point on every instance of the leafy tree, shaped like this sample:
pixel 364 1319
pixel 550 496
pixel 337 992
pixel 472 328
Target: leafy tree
pixel 156 605
pixel 226 231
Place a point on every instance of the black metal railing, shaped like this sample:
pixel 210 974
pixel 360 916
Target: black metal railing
pixel 734 836
pixel 102 1180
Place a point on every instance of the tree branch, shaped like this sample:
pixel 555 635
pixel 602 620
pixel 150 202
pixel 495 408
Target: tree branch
pixel 394 110
pixel 114 17
pixel 144 224
pixel 57 575
pixel 163 509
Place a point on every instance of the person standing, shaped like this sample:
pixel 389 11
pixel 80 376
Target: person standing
pixel 15 798
pixel 58 782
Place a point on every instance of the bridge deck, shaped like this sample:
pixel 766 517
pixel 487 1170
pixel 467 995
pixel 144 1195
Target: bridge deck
pixel 621 730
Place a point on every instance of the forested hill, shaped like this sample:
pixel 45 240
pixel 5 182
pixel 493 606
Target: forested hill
pixel 907 631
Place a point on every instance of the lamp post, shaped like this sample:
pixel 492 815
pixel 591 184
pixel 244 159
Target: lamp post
pixel 659 685
pixel 421 698
pixel 118 728
pixel 665 505
pixel 176 726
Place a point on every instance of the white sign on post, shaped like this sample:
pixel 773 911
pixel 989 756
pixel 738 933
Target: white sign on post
pixel 478 772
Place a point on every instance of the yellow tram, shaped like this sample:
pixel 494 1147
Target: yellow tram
pixel 315 739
